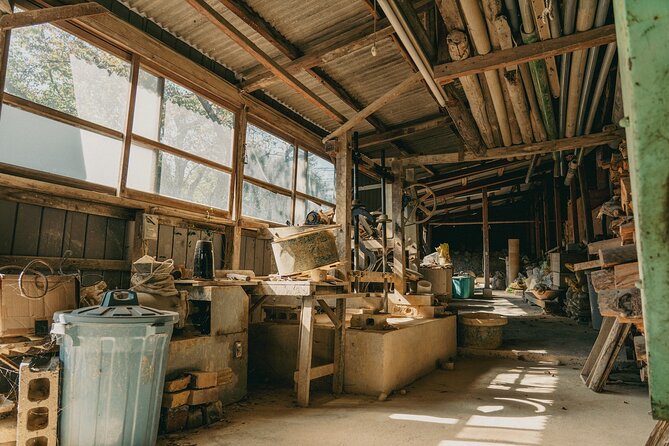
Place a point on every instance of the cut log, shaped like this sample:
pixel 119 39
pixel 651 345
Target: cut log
pixel 626 275
pixel 615 256
pixel 625 303
pixel 627 233
pixel 603 280
pixel 626 194
pixel 640 349
pixel 594 247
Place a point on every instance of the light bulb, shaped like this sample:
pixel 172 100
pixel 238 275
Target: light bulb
pixel 374 50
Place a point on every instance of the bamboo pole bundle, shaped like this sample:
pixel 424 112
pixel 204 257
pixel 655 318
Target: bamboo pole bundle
pixel 593 55
pixel 565 65
pixel 516 136
pixel 585 17
pixel 538 72
pixel 458 49
pixel 492 116
pixel 538 128
pixel 478 31
pixel 511 75
pixel 544 33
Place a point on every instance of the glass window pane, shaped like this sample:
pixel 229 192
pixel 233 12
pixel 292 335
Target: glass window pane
pixel 268 158
pixel 172 176
pixel 315 176
pixel 58 70
pixel 31 141
pixel 147 106
pixel 264 204
pixel 303 207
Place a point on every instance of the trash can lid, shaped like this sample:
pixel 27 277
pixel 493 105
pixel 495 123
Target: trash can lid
pixel 118 306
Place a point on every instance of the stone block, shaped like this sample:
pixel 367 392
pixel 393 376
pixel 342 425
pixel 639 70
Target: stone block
pixel 203 380
pixel 176 399
pixel 177 384
pixel 174 420
pixel 203 396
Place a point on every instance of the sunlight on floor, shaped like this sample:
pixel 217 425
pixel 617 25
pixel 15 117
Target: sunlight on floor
pixel 423 418
pixel 496 429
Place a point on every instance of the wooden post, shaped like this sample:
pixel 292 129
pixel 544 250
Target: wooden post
pixel 343 172
pixel 305 345
pixel 547 232
pixel 127 135
pixel 574 210
pixel 585 203
pixel 4 54
pixel 537 226
pixel 399 253
pixel 486 242
pixel 238 177
pixel 557 201
pixel 339 348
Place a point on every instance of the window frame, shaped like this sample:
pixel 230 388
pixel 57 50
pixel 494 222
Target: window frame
pixel 127 138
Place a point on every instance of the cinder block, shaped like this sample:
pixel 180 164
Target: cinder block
pixel 203 396
pixel 174 420
pixel 177 384
pixel 213 412
pixel 37 420
pixel 195 417
pixel 203 380
pixel 176 399
pixel 369 321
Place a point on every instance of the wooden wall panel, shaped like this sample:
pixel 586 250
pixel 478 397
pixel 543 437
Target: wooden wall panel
pixel 7 220
pixel 26 231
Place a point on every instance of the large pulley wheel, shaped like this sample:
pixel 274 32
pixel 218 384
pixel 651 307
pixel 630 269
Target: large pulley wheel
pixel 420 204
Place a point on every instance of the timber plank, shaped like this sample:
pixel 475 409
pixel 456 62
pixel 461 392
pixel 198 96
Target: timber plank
pixel 51 232
pixel 179 247
pixel 603 280
pixel 74 237
pixel 594 247
pixel 165 240
pixel 7 220
pixel 27 230
pixel 115 239
pixel 626 275
pixel 96 231
pixel 618 255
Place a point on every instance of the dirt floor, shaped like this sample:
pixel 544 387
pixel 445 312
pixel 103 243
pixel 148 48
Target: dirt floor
pixel 484 401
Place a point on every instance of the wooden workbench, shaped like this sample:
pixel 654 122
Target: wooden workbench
pixel 308 292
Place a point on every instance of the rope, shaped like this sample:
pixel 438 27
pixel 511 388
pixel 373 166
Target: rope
pixel 547 13
pixel 158 281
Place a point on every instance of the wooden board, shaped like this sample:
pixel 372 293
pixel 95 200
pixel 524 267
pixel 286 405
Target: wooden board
pixel 26 232
pixel 626 275
pixel 622 303
pixel 615 256
pixel 594 247
pixel 592 264
pixel 7 220
pixel 51 232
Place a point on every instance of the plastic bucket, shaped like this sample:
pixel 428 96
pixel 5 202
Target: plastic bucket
pixel 463 287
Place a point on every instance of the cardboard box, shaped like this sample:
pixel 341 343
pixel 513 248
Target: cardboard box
pixel 18 313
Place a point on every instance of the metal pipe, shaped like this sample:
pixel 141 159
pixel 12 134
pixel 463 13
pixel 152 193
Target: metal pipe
pixel 384 238
pixel 355 204
pixel 402 29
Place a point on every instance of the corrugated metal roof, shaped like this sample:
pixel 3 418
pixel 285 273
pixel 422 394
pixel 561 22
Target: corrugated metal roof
pixel 305 24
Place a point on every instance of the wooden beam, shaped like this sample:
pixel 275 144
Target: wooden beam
pixel 4 54
pixel 448 72
pixel 615 256
pixel 557 145
pixel 78 263
pixel 332 49
pixel 374 106
pixel 49 15
pixel 5 7
pixel 240 39
pixel 238 178
pixel 397 217
pixel 130 118
pixel 262 27
pixel 372 139
pixel 486 240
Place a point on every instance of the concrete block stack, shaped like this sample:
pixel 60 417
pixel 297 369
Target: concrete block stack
pixel 190 401
pixel 37 421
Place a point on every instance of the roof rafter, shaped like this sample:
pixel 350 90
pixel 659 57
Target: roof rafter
pixel 233 33
pixel 49 15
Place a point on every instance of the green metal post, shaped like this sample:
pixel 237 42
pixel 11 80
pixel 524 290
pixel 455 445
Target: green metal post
pixel 642 28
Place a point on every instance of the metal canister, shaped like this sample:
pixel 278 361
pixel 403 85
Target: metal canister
pixel 203 260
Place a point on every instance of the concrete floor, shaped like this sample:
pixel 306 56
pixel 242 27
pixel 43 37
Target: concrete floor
pixel 483 402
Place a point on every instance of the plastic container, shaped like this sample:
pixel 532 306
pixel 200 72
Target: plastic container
pixel 114 357
pixel 463 286
pixel 594 304
pixel 424 287
pixel 481 330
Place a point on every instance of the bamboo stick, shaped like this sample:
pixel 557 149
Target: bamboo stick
pixel 544 33
pixel 490 110
pixel 585 17
pixel 458 49
pixel 538 128
pixel 479 33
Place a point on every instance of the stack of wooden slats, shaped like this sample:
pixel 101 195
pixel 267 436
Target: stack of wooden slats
pixel 614 277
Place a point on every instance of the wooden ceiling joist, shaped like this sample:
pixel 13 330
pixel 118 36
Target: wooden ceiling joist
pixel 387 97
pixel 49 15
pixel 235 35
pixel 448 72
pixel 332 49
pixel 556 145
pixel 371 139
